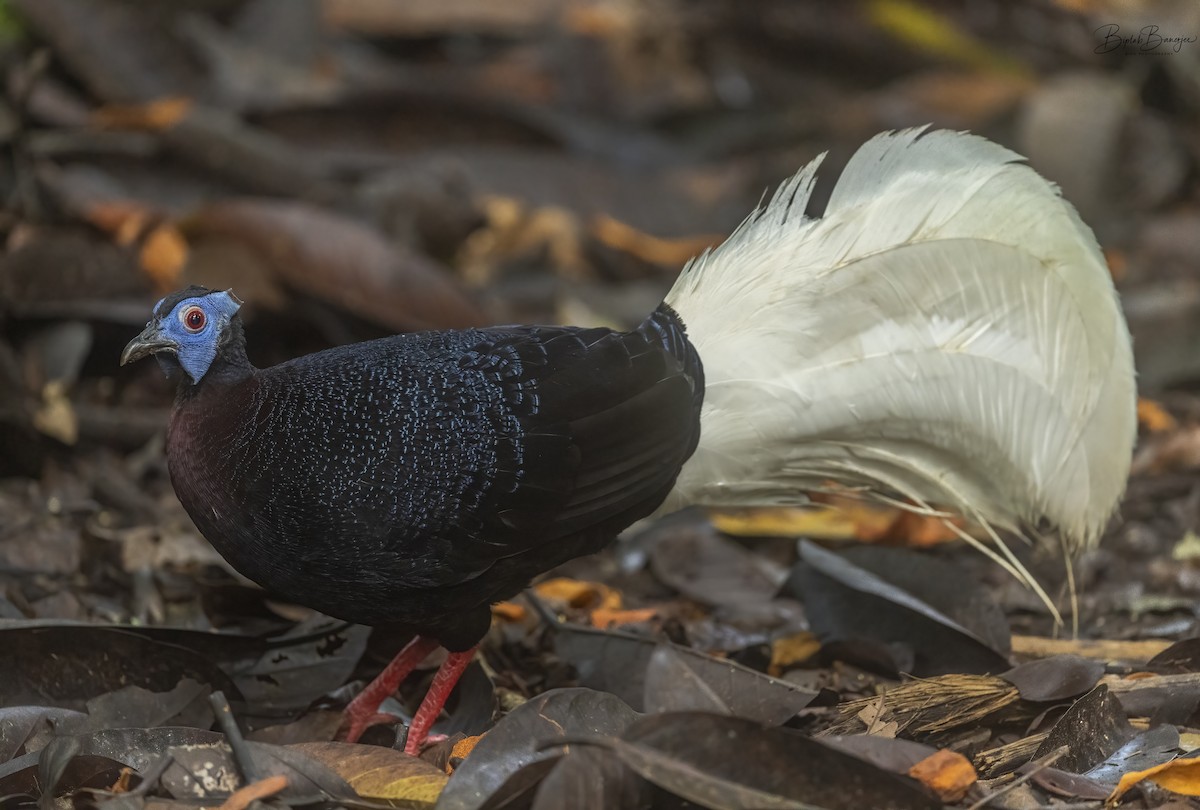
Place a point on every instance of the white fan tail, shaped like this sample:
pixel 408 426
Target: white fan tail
pixel 948 331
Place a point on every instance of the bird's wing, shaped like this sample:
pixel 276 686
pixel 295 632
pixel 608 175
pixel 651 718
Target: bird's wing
pixel 604 420
pixel 593 430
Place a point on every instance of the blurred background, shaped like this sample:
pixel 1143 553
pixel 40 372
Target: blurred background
pixel 354 168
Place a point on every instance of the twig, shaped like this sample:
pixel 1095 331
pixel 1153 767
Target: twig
pixel 242 757
pixel 1099 649
pixel 1038 766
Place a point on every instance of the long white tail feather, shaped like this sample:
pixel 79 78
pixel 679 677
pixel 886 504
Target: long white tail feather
pixel 947 331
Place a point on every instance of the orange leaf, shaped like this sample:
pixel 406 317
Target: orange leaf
pixel 579 594
pixel 124 220
pixel 463 748
pixel 509 611
pixel 605 618
pixel 156 116
pixel 921 531
pixel 123 783
pixel 1179 776
pixel 655 250
pixel 947 773
pixel 790 650
pixel 1118 263
pixel 162 257
pixel 265 788
pixel 837 517
pixel 1153 417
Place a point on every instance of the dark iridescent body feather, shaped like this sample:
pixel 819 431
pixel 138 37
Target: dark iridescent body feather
pixel 417 479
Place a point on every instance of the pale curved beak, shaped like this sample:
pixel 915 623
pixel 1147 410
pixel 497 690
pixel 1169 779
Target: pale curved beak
pixel 150 341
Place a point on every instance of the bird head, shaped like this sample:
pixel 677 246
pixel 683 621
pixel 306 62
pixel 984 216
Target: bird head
pixel 187 330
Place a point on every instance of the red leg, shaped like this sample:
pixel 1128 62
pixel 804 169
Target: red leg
pixel 363 711
pixel 443 684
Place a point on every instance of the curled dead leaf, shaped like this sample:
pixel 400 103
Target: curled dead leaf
pixel 652 249
pixel 1178 776
pixel 578 594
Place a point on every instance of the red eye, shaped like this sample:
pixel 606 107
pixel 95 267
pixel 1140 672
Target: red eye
pixel 194 319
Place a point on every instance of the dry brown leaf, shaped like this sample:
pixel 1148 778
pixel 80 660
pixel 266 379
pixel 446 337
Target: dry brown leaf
pixel 788 651
pixel 380 773
pixel 1153 417
pixel 163 252
pixel 873 715
pixel 338 260
pixel 599 20
pixel 947 773
pixel 1172 451
pixel 1178 776
pixel 55 416
pixel 655 250
pixel 262 789
pixel 515 230
pixel 124 220
pixel 155 116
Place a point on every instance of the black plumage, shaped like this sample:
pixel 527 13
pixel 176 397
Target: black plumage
pixel 417 479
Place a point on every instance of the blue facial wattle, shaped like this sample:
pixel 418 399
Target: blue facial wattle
pixel 198 348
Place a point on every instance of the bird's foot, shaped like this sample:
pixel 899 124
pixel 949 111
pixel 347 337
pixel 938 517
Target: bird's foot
pixel 363 711
pixel 439 691
pixel 353 728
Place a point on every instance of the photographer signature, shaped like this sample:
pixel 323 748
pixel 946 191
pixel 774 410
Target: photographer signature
pixel 1148 40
